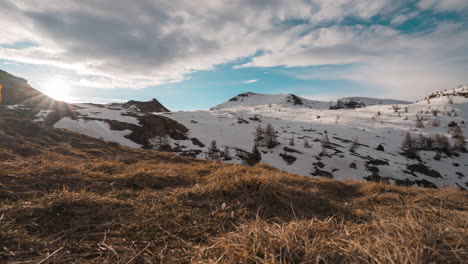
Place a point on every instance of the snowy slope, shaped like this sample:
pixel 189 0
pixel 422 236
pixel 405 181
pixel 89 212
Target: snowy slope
pixel 284 100
pixel 97 129
pixel 102 112
pixel 294 101
pixel 358 102
pixel 342 126
pixel 232 126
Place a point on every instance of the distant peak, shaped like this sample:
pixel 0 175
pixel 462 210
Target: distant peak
pixel 249 99
pixel 147 107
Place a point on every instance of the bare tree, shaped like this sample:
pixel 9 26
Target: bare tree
pixel 456 132
pixel 396 108
pixel 419 122
pixel 259 134
pixel 408 146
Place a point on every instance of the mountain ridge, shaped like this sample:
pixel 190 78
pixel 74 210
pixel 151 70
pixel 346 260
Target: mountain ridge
pixel 292 100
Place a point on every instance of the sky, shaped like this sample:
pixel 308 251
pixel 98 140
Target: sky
pixel 199 53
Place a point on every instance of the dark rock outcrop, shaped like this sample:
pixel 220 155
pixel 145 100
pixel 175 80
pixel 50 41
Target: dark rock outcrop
pixel 146 107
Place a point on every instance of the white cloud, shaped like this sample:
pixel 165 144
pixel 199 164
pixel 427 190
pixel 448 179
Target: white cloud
pixel 120 43
pixel 250 81
pixel 136 44
pixel 443 5
pixel 95 100
pixel 10 63
pixel 395 64
pixel 402 18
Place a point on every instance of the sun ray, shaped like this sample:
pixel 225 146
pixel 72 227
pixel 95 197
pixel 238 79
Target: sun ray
pixel 58 89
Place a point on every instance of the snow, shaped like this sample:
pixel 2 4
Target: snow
pixel 255 99
pixel 91 111
pixel 96 129
pixel 42 115
pixel 342 125
pixel 293 101
pixel 373 101
pixel 16 106
pixel 232 125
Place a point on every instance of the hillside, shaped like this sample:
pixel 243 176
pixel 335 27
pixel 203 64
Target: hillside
pixel 69 198
pixel 359 102
pixel 360 140
pixel 250 99
pixel 16 93
pixel 256 99
pixel 363 143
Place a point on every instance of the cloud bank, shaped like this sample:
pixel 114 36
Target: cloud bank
pixel 136 44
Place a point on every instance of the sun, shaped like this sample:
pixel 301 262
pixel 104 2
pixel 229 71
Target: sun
pixel 58 89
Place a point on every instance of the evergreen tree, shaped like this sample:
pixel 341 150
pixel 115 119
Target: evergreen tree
pixel 306 144
pixel 270 136
pixel 213 151
pixel 408 146
pixel 227 153
pixel 256 156
pixel 380 148
pixel 291 141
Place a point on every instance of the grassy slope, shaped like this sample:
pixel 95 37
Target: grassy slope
pixel 68 198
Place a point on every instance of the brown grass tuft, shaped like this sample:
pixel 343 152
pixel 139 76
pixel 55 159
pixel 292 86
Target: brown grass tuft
pixel 82 200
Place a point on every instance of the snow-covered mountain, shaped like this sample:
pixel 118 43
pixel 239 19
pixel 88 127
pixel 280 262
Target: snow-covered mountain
pixel 365 143
pixel 143 107
pixel 359 102
pixel 294 101
pixel 312 139
pixel 283 100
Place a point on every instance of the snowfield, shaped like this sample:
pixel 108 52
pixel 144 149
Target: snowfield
pixel 42 115
pixel 101 112
pixel 297 121
pixel 97 129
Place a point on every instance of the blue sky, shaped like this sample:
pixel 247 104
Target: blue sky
pixel 194 55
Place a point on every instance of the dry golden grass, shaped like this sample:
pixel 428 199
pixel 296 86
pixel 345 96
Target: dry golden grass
pixel 85 201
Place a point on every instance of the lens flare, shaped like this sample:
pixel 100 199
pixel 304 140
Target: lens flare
pixel 58 89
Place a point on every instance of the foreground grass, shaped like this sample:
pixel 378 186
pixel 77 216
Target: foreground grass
pixel 80 200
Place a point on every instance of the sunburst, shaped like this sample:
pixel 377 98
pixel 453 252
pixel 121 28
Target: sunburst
pixel 58 89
